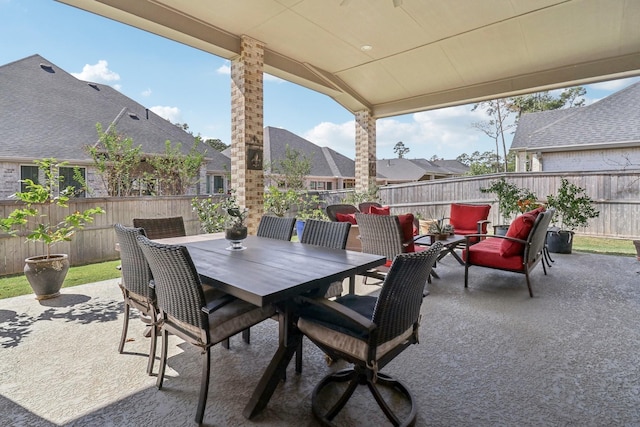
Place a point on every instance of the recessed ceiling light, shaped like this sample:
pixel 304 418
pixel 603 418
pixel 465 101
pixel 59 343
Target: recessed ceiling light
pixel 366 48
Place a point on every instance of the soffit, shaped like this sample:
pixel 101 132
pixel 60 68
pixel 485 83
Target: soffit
pixel 426 53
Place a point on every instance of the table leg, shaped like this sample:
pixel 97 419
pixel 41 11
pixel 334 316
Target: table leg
pixel 288 342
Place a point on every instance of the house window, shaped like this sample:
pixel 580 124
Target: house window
pixel 317 185
pixel 69 178
pixel 215 184
pixel 28 172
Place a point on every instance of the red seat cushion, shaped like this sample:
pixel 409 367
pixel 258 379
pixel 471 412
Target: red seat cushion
pixel 374 210
pixel 487 253
pixel 406 224
pixel 520 229
pixel 346 218
pixel 464 218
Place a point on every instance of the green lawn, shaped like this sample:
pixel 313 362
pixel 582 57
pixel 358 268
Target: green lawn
pixel 17 285
pixel 13 286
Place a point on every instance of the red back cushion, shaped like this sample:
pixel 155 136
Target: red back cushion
pixel 520 229
pixel 346 218
pixel 406 225
pixel 466 217
pixel 374 210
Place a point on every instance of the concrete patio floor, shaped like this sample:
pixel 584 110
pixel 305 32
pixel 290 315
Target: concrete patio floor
pixel 488 356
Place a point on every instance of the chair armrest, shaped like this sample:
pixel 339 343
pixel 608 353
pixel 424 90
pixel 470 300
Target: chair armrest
pixel 218 303
pixel 341 311
pixel 481 223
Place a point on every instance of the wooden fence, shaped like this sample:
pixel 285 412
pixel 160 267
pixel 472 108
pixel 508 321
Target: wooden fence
pixel 616 195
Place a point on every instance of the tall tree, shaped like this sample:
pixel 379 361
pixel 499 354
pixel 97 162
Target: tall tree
pixel 400 149
pixel 291 171
pixel 216 144
pixel 543 101
pixel 498 111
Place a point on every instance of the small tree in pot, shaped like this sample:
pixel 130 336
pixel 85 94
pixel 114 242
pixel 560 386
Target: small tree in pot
pixel 511 201
pixel 573 209
pixel 46 273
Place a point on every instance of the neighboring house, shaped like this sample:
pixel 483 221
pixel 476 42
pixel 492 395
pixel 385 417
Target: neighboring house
pixel 395 171
pixel 602 136
pixel 330 170
pixel 46 112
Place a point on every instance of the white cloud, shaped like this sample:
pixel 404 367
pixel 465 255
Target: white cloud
pixel 613 85
pixel 147 93
pixel 118 87
pixel 339 137
pixel 99 73
pixel 446 133
pixel 170 113
pixel 225 69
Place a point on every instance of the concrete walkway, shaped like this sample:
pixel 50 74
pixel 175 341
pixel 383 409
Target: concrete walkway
pixel 488 356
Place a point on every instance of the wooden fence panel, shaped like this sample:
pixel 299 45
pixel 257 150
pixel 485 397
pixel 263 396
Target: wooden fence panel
pixel 617 196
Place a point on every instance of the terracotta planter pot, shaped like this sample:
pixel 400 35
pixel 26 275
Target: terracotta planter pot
pixel 46 275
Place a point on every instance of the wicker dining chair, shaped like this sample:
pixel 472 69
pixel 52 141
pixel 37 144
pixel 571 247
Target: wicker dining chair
pixel 137 288
pixel 330 235
pixel 161 228
pixel 369 332
pixel 276 227
pixel 184 311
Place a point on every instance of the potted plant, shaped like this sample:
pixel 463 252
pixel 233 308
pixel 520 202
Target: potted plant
pixel 279 202
pixel 510 201
pixel 235 228
pixel 309 207
pixel 573 209
pixel 46 273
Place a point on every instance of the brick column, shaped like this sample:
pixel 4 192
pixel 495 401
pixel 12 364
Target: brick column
pixel 365 151
pixel 247 135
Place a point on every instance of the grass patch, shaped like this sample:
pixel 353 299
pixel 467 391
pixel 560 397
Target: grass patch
pixel 600 245
pixel 14 286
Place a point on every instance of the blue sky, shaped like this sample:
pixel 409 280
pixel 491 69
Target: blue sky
pixel 186 85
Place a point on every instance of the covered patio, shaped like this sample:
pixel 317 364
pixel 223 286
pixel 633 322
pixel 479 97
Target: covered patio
pixel 489 355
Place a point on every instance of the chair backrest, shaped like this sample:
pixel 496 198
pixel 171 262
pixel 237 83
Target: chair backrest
pixel 536 239
pixel 161 228
pixel 276 227
pixel 464 217
pixel 380 234
pixel 332 210
pixel 398 306
pixel 136 273
pixel 326 233
pixel 365 206
pixel 177 283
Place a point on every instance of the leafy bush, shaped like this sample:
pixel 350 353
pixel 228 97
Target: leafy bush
pixel 573 207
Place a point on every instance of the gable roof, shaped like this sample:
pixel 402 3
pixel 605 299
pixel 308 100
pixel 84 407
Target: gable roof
pixel 612 120
pixel 324 160
pixel 47 112
pixel 418 169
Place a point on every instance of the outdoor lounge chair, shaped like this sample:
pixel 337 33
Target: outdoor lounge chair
pixel 369 332
pixel 519 251
pixel 469 219
pixel 184 311
pixel 342 209
pixel 137 288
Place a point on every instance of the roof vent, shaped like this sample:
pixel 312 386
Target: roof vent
pixel 134 116
pixel 93 85
pixel 47 67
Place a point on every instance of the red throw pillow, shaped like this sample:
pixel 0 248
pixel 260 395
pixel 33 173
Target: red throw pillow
pixel 374 210
pixel 406 225
pixel 519 228
pixel 346 218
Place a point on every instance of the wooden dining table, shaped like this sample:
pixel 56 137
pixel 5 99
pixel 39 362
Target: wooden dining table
pixel 271 271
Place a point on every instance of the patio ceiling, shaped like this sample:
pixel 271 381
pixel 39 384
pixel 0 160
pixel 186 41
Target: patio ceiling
pixel 424 54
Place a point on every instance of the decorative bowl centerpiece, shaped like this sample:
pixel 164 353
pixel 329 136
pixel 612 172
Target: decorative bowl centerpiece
pixel 236 230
